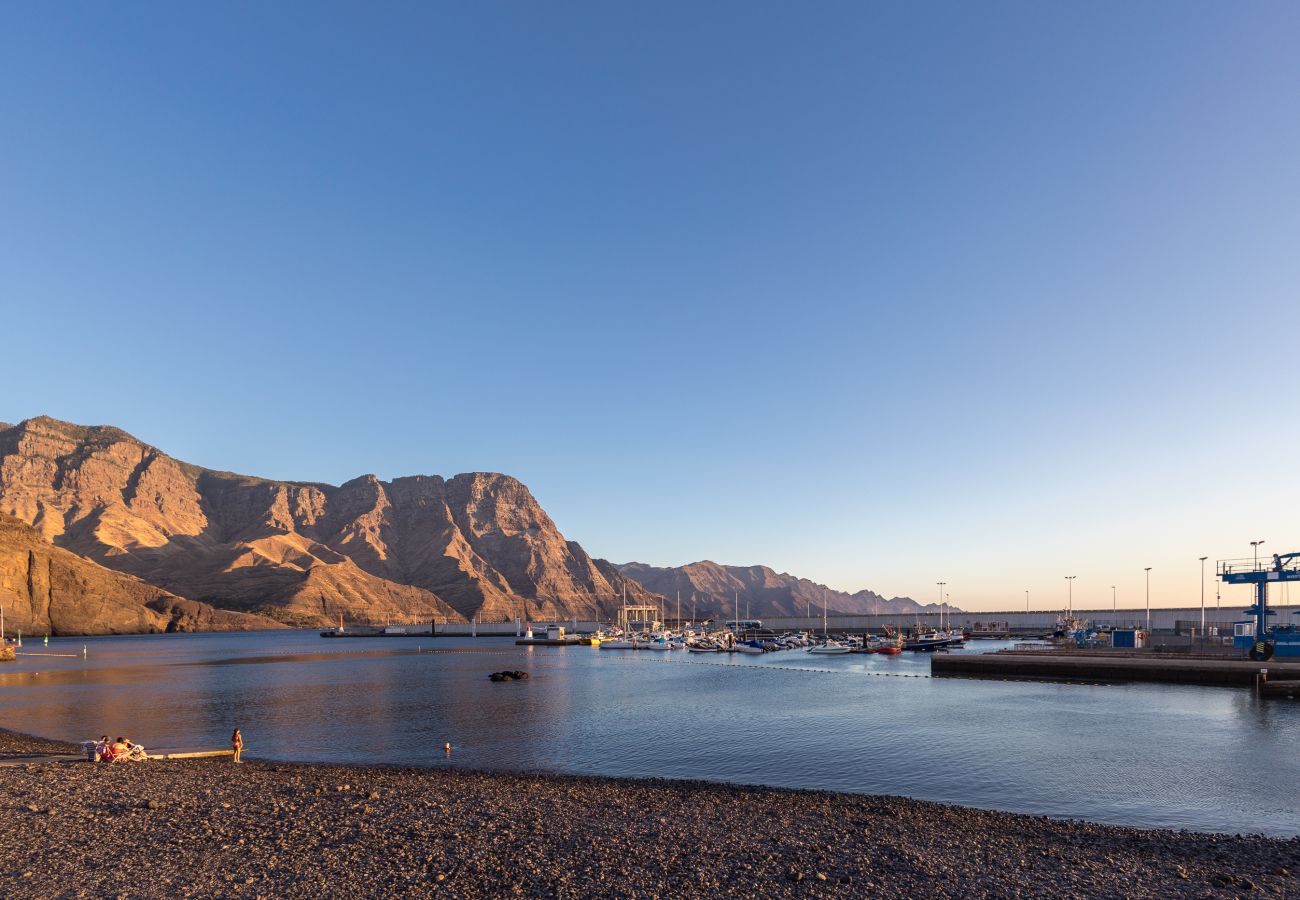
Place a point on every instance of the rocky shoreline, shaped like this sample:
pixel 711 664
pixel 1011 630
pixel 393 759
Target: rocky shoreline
pixel 208 828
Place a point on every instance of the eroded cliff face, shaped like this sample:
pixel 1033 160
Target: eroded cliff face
pixel 413 549
pixel 718 589
pixel 48 590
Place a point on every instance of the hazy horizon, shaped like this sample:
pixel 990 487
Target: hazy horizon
pixel 879 296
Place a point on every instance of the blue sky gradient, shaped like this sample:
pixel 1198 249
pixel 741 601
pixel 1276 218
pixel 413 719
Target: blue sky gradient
pixel 878 294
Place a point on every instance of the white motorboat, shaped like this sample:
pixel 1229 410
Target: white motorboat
pixel 830 648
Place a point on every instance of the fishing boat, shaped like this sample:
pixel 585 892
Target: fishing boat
pixel 748 647
pixel 928 641
pixel 618 644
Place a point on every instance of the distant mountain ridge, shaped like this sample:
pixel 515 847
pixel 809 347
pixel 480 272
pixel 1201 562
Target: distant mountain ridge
pixel 719 589
pixel 412 549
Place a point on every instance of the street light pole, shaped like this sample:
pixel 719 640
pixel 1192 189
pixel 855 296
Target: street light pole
pixel 1114 604
pixel 1203 600
pixel 941 584
pixel 1256 544
pixel 1026 601
pixel 1069 579
pixel 1148 571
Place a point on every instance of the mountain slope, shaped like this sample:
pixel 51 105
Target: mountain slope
pixel 719 589
pixel 411 549
pixel 48 590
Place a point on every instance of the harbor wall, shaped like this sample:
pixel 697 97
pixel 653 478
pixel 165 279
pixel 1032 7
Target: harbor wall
pixel 510 629
pixel 1035 621
pixel 1111 667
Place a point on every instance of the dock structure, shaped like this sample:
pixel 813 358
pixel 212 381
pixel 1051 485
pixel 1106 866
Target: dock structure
pixel 1076 666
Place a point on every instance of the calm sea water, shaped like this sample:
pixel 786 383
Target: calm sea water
pixel 1148 755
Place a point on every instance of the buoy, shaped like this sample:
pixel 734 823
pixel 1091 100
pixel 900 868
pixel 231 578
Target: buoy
pixel 83 651
pixel 447 747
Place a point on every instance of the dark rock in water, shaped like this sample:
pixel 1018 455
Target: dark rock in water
pixel 509 676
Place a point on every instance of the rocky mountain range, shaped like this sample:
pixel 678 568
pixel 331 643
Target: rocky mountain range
pixel 413 549
pixel 103 533
pixel 719 589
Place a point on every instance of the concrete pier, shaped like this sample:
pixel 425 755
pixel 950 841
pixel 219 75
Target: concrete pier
pixel 1080 666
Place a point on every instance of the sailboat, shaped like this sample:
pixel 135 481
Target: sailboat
pixel 828 647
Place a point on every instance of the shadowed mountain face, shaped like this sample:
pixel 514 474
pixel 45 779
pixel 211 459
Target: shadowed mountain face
pixel 48 590
pixel 758 591
pixel 412 549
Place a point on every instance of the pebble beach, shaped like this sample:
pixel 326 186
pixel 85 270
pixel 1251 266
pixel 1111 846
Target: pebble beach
pixel 209 828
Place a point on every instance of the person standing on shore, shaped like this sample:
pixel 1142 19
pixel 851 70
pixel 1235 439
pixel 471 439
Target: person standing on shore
pixel 237 744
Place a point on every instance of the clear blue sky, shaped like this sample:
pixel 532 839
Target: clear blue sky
pixel 878 294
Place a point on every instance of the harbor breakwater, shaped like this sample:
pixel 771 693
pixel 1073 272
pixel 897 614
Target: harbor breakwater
pixel 1078 665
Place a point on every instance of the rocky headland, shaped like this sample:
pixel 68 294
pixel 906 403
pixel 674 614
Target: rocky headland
pixel 46 589
pixel 213 829
pixel 412 549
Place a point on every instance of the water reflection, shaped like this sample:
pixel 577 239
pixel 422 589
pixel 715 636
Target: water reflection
pixel 1155 755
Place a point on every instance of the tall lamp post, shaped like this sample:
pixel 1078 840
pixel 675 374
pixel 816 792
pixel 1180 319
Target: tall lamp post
pixel 1148 571
pixel 1263 588
pixel 1069 579
pixel 1026 601
pixel 1114 606
pixel 941 584
pixel 1203 558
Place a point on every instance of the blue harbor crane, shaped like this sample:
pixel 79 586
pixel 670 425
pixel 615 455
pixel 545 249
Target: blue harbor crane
pixel 1261 639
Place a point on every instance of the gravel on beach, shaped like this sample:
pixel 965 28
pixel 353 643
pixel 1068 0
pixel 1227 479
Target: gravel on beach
pixel 14 745
pixel 209 828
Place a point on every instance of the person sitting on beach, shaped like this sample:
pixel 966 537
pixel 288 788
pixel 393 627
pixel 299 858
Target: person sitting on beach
pixel 135 752
pixel 102 748
pixel 117 752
